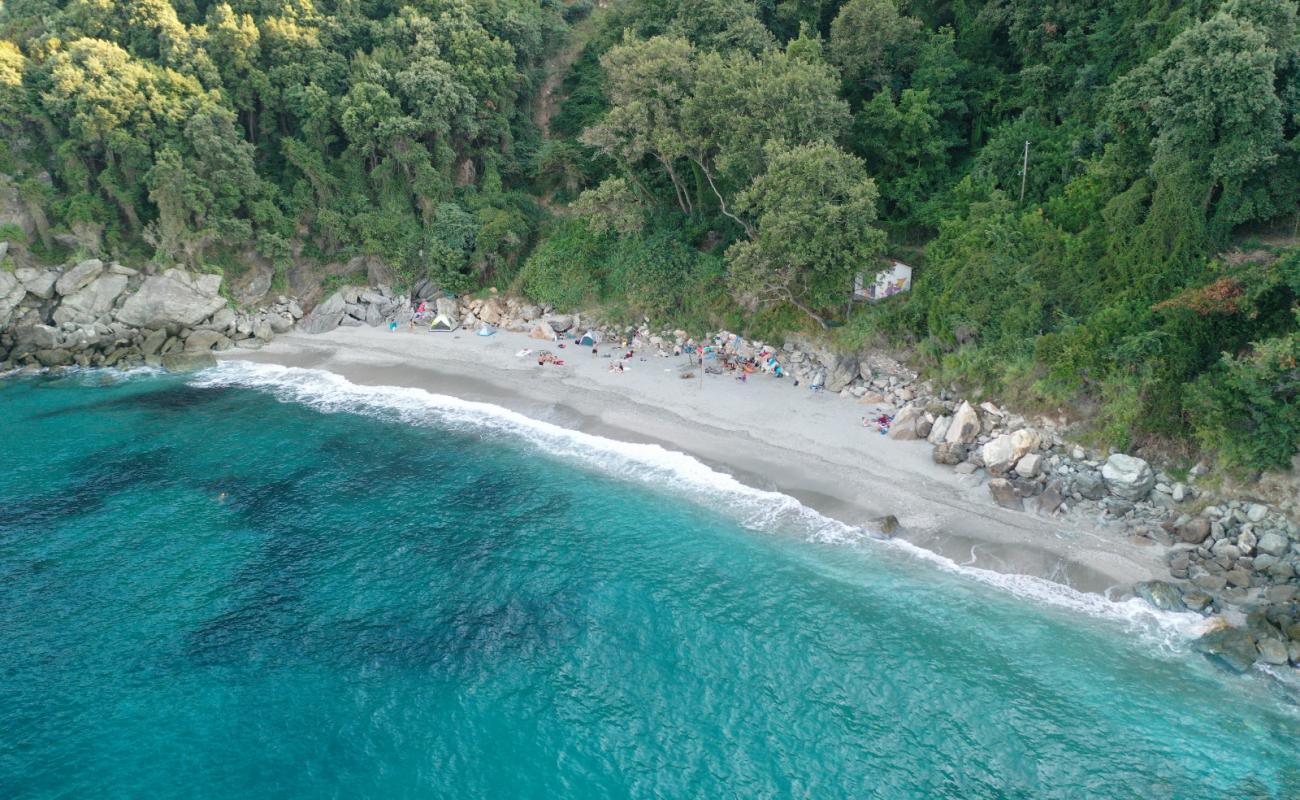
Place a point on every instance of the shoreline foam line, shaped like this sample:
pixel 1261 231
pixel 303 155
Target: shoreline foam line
pixel 657 466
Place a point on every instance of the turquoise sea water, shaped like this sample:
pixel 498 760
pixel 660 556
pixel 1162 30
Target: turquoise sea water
pixel 269 583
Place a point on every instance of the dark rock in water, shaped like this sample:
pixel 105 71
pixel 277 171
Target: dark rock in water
pixel 1272 651
pixel 188 361
pixel 885 527
pixel 950 453
pixel 1195 531
pixel 1161 594
pixel 1004 494
pixel 1233 648
pixel 53 358
pixel 1197 601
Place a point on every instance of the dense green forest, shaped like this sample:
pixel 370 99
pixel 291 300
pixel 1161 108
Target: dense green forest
pixel 729 162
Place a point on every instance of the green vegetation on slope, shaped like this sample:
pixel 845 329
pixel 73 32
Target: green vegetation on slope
pixel 727 162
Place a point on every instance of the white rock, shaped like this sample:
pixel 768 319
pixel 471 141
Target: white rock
pixel 1128 476
pixel 965 427
pixel 1029 465
pixel 940 430
pixel 1256 512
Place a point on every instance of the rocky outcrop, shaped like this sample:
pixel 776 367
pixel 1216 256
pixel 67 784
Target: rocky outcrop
pixel 97 314
pixel 174 298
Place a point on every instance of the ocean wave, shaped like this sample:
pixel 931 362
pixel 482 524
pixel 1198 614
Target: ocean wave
pixel 678 472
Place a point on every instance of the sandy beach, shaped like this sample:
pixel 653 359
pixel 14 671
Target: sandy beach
pixel 765 432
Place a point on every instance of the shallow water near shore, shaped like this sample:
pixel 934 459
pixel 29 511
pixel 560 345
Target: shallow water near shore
pixel 266 582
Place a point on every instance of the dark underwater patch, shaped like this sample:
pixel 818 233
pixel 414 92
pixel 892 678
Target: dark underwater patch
pixel 100 476
pixel 172 399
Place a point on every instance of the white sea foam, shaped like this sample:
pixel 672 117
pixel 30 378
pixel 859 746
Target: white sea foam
pixel 675 471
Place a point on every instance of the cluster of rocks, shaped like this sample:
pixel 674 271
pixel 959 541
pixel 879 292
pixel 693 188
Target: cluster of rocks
pixel 1240 557
pixel 353 306
pixel 107 315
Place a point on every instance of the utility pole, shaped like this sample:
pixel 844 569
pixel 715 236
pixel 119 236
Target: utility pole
pixel 1024 174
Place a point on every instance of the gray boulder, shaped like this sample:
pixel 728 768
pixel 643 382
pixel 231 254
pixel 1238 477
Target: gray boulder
pixel 1194 531
pixel 1050 500
pixel 175 298
pixel 1272 544
pixel 840 373
pixel 1272 651
pixel 1089 484
pixel 92 301
pixel 11 294
pixel 1161 594
pixel 450 309
pixel 327 315
pixel 207 340
pixel 965 426
pixel 38 282
pixel 1001 454
pixel 1233 648
pixel 1128 476
pixel 188 361
pixel 949 453
pixel 1004 494
pixel 77 277
pixel 1029 465
pixel 280 323
pixel 904 427
pixel 939 430
pixel 153 342
pixel 53 357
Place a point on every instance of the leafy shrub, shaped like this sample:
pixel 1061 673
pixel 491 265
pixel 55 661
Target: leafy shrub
pixel 1248 408
pixel 565 269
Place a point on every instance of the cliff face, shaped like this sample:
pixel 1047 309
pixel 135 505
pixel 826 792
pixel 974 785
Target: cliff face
pixel 97 314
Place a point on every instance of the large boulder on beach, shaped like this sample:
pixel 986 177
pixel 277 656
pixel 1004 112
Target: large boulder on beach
pixel 327 315
pixel 543 331
pixel 188 361
pixel 1128 476
pixel 448 308
pixel 965 426
pixel 840 372
pixel 1001 454
pixel 905 424
pixel 175 298
pixel 949 453
pixel 1004 494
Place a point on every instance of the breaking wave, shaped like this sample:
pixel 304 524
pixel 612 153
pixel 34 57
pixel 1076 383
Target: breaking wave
pixel 682 474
